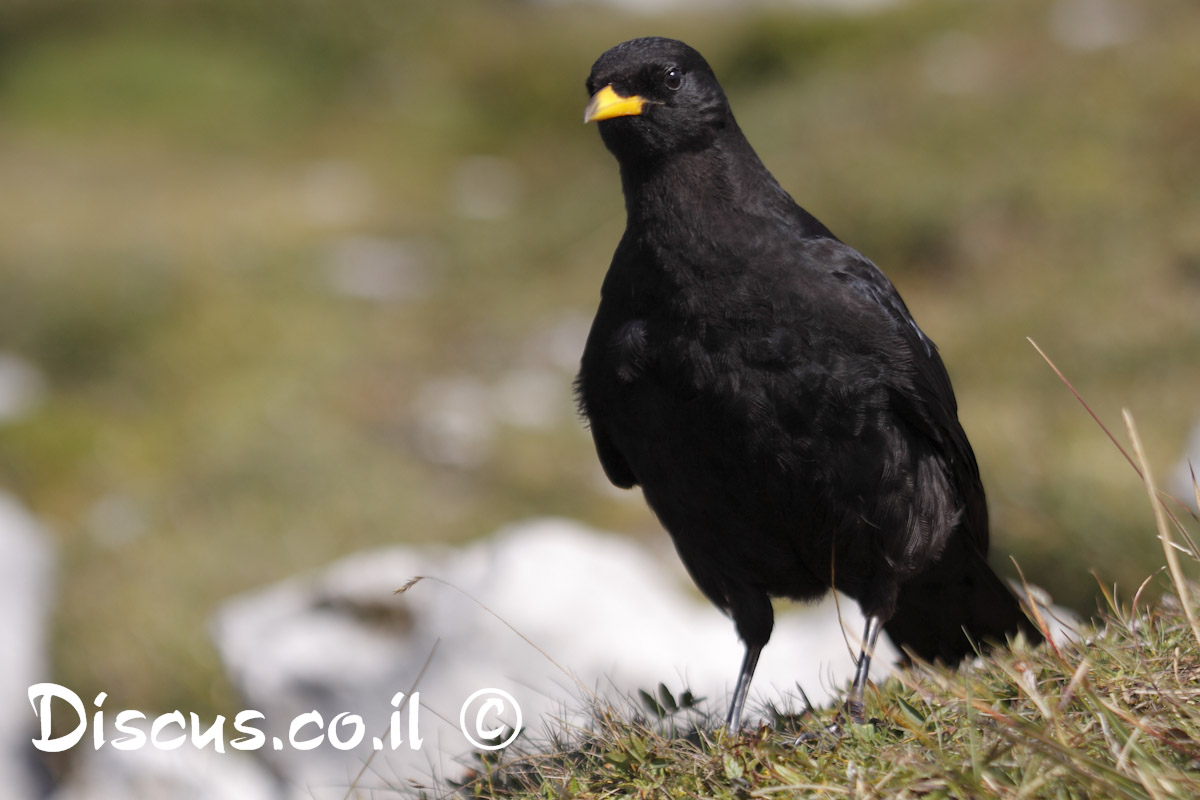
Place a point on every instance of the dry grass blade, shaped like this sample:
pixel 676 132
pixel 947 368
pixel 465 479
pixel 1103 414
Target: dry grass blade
pixel 1195 483
pixel 1164 530
pixel 570 675
pixel 411 583
pixel 1029 732
pixel 1083 403
pixel 1191 548
pixel 353 787
pixel 1077 679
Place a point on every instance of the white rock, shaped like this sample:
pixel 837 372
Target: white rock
pixel 614 617
pixel 26 597
pixel 151 774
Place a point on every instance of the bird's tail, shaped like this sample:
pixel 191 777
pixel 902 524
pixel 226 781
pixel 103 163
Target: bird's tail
pixel 955 607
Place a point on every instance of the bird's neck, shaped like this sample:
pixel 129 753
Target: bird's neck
pixel 684 187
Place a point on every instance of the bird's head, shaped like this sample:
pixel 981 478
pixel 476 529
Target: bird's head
pixel 654 96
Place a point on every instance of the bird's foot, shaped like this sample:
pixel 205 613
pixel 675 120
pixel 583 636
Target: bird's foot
pixel 853 712
pixel 856 711
pixel 822 733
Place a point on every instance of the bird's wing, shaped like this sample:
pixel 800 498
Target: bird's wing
pixel 593 403
pixel 919 386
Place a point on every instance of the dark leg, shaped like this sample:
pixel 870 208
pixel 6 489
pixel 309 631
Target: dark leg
pixel 734 720
pixel 854 703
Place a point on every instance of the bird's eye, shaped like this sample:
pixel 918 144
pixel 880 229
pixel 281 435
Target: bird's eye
pixel 673 79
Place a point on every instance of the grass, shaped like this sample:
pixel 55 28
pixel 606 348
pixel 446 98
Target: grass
pixel 1117 717
pixel 219 418
pixel 1115 712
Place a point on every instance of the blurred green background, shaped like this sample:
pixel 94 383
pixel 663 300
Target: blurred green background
pixel 308 277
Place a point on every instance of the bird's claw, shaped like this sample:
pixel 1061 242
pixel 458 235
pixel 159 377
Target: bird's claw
pixel 832 731
pixel 853 712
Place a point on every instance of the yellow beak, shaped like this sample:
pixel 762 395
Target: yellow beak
pixel 607 104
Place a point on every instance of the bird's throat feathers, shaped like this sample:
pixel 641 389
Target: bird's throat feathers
pixel 725 181
pixel 715 179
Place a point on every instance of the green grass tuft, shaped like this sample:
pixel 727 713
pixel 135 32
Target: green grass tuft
pixel 1114 715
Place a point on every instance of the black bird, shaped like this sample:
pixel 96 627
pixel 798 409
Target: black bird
pixel 788 422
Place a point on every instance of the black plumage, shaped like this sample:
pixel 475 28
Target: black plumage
pixel 788 422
